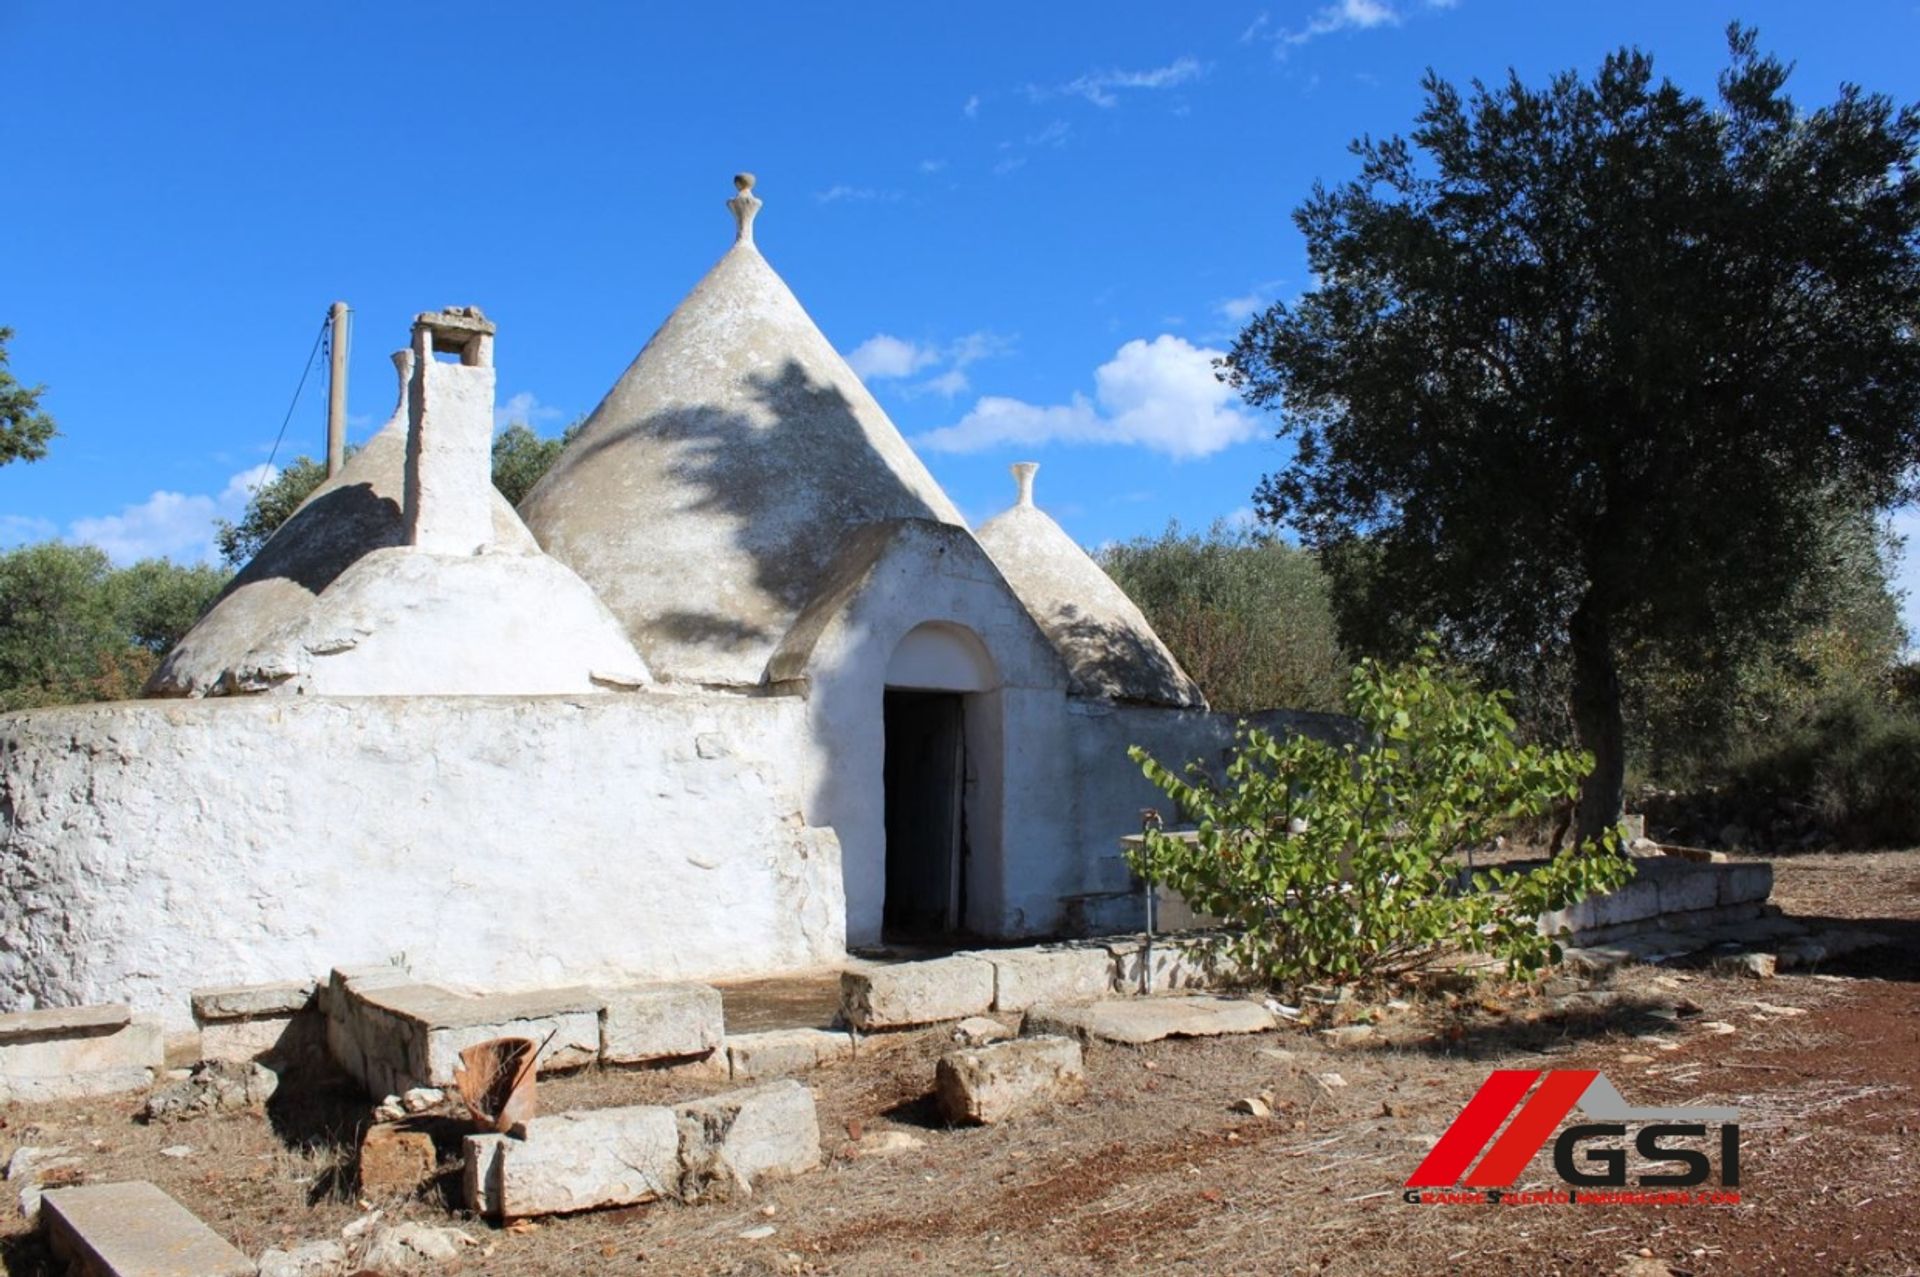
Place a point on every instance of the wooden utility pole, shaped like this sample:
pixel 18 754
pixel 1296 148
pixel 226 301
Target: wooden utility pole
pixel 337 392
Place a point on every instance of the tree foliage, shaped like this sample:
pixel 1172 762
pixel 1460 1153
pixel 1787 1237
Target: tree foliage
pixel 520 458
pixel 1245 614
pixel 1345 862
pixel 24 428
pixel 73 628
pixel 1589 368
pixel 271 505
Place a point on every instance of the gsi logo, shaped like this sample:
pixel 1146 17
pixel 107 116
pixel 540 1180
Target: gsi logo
pixel 1601 1167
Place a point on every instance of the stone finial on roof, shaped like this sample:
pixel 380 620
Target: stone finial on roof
pixel 1023 472
pixel 744 206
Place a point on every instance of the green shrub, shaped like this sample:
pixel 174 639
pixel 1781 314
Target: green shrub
pixel 1344 864
pixel 1854 764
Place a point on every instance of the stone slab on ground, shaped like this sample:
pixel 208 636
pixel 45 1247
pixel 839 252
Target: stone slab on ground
pixel 76 1052
pixel 574 1162
pixel 1663 890
pixel 992 1083
pixel 731 1141
pixel 772 1053
pixel 251 1001
pixel 393 1035
pixel 133 1229
pixel 642 1023
pixel 903 994
pixel 1068 973
pixel 1138 1020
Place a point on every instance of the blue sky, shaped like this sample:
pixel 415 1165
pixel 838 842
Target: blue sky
pixel 1028 225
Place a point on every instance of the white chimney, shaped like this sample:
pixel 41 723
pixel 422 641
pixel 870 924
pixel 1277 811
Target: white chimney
pixel 449 485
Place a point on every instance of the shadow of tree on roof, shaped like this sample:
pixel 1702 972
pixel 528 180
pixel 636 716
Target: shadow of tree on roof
pixel 785 486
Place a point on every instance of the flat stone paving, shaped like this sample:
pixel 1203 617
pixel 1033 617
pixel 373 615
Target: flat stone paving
pixel 134 1230
pixel 1137 1020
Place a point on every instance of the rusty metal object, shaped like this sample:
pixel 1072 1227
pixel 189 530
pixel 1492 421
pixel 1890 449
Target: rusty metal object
pixel 496 1079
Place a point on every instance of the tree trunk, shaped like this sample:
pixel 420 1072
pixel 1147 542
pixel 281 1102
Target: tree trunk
pixel 1597 719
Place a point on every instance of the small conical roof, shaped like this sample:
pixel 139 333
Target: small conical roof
pixel 1104 638
pixel 346 518
pixel 707 496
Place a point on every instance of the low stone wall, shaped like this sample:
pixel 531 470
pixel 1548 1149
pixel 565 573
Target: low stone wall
pixel 152 847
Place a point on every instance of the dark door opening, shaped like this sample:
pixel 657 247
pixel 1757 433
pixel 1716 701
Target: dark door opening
pixel 925 777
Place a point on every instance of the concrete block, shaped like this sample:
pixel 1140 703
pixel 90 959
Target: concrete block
pixel 642 1023
pixel 395 1158
pixel 394 1037
pixel 992 1083
pixel 294 1037
pixel 134 1230
pixel 752 1057
pixel 901 994
pixel 1140 1020
pixel 730 1142
pixel 1168 965
pixel 1023 977
pixel 574 1162
pixel 72 1053
pixel 1692 888
pixel 250 1001
pixel 1746 883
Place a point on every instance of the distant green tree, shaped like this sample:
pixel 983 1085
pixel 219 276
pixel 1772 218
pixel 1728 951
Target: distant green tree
pixel 72 628
pixel 24 428
pixel 271 505
pixel 1245 614
pixel 521 458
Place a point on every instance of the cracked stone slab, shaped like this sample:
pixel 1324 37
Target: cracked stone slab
pixel 134 1230
pixel 1142 1020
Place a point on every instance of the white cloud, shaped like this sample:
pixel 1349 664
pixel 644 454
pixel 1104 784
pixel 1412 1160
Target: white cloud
pixel 844 194
pixel 932 166
pixel 1055 134
pixel 526 409
pixel 176 525
pixel 948 384
pixel 1161 395
pixel 971 107
pixel 1344 15
pixel 1101 87
pixel 884 357
pixel 24 529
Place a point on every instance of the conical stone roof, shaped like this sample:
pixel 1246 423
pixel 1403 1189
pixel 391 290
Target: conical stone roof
pixel 1104 638
pixel 707 496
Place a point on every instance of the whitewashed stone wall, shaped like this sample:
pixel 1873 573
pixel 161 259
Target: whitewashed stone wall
pixel 147 848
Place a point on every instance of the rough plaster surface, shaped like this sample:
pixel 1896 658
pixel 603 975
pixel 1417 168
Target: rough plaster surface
pixel 1104 639
pixel 151 848
pixel 706 497
pixel 449 473
pixel 352 514
pixel 402 622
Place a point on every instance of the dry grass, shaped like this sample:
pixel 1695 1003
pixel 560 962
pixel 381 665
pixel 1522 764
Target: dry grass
pixel 1152 1172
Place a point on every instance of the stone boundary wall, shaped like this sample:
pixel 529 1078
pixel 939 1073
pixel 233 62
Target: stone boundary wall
pixel 149 848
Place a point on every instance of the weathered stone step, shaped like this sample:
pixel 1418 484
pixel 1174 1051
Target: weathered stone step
pixel 1141 1020
pixel 134 1230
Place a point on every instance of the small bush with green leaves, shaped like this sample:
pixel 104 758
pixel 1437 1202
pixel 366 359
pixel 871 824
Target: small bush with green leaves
pixel 1345 863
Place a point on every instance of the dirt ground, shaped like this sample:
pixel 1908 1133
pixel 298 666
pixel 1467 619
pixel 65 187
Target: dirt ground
pixel 1152 1172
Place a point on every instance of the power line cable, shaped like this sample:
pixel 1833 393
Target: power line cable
pixel 295 403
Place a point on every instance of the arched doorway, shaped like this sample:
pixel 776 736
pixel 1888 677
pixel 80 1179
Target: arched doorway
pixel 942 743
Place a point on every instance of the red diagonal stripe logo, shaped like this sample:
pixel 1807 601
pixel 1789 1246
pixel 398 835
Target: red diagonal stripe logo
pixel 1531 1127
pixel 1470 1131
